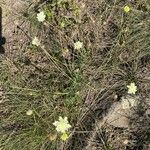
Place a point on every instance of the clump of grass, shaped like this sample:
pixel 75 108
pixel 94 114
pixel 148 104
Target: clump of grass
pixel 52 83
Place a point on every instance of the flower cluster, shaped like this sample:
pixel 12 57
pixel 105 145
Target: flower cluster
pixel 78 45
pixel 132 88
pixel 29 112
pixel 126 9
pixel 36 41
pixel 62 126
pixel 41 16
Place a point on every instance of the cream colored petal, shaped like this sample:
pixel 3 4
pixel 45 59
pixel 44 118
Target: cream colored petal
pixel 66 119
pixel 60 118
pixel 55 123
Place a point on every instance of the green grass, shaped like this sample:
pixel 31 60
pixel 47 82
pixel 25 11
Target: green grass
pixel 41 79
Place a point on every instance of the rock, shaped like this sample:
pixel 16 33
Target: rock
pixel 129 102
pixel 120 112
pixel 10 14
pixel 147 112
pixel 117 116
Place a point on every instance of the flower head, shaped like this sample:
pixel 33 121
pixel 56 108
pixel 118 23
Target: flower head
pixel 62 125
pixel 41 16
pixel 132 88
pixel 126 9
pixel 36 42
pixel 29 112
pixel 78 45
pixel 64 136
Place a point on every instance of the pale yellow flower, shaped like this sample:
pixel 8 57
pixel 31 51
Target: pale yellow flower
pixel 126 9
pixel 41 16
pixel 64 136
pixel 78 45
pixel 62 125
pixel 29 112
pixel 132 88
pixel 35 41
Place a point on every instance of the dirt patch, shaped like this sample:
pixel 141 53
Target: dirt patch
pixel 10 16
pixel 11 20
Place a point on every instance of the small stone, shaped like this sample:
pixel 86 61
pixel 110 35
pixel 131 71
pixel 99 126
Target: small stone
pixel 126 142
pixel 52 137
pixel 117 116
pixel 147 112
pixel 115 97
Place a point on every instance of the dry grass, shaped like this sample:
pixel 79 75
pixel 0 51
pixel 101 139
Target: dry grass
pixel 81 84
